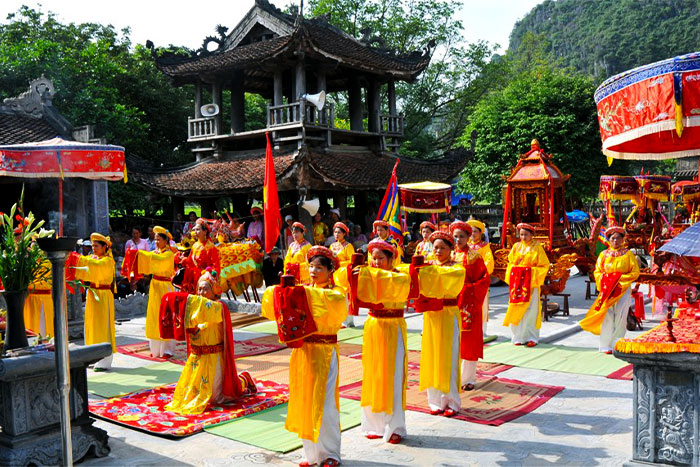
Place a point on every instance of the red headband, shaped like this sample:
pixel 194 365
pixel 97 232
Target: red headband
pixel 319 250
pixel 429 225
pixel 442 236
pixel 526 226
pixel 379 244
pixel 615 229
pixel 341 226
pixel 460 225
pixel 299 225
pixel 378 223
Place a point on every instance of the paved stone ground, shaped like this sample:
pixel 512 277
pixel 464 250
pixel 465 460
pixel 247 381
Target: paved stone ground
pixel 589 423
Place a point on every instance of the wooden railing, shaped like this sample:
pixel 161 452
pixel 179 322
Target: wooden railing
pixel 391 125
pixel 203 127
pixel 300 112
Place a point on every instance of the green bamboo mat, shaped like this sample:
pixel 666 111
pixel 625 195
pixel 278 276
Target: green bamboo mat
pixel 118 381
pixel 580 360
pixel 266 429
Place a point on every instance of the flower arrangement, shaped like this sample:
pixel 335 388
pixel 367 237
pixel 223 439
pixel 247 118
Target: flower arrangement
pixel 21 259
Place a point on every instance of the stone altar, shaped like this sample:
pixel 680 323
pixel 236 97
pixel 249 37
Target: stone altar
pixel 30 430
pixel 666 408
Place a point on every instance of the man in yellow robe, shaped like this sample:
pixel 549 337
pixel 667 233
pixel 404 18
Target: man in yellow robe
pixel 313 409
pixel 615 271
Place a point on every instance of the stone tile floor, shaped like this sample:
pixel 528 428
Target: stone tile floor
pixel 589 423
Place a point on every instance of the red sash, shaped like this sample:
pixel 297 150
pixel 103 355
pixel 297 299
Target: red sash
pixel 609 288
pixel 471 298
pixel 130 264
pixel 292 269
pixel 294 319
pixel 519 284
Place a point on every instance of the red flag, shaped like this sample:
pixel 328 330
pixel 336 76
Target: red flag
pixel 271 203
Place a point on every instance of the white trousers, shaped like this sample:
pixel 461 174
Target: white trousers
pixel 526 330
pixel 328 444
pixel 615 322
pixel 105 363
pixel 160 348
pixel 381 423
pixel 485 313
pixel 438 400
pixel 349 322
pixel 468 372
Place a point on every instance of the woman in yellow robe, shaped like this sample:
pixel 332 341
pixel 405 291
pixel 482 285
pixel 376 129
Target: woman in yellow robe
pixel 480 245
pixel 38 308
pixel 341 248
pixel 209 375
pixel 160 263
pixel 98 270
pixel 381 229
pixel 384 359
pixel 425 248
pixel 615 271
pixel 296 254
pixel 525 318
pixel 313 409
pixel 440 375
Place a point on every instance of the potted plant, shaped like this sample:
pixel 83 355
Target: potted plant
pixel 21 262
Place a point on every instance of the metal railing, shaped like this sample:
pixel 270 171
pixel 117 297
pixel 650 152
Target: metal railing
pixel 203 127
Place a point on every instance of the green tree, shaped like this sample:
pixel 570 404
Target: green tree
pixel 436 106
pixel 547 103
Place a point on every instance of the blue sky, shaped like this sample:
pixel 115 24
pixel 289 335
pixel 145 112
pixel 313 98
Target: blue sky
pixel 177 22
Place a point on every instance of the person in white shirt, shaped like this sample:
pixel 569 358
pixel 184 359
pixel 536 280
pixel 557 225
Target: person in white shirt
pixel 136 242
pixel 151 240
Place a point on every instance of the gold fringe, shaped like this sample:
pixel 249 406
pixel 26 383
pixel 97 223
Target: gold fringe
pixel 636 346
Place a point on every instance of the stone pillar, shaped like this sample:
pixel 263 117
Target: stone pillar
pixel 391 94
pixel 320 81
pixel 237 103
pixel 100 206
pixel 198 100
pixel 355 103
pixel 277 85
pixel 216 97
pixel 300 78
pixel 373 106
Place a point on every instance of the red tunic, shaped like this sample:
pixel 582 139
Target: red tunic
pixel 200 258
pixel 471 299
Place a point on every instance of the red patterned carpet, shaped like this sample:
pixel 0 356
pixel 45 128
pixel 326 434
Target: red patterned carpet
pixel 143 410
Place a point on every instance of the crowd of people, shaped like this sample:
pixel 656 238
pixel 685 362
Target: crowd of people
pixel 323 285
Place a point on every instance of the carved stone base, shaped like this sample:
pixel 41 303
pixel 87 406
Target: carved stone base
pixel 45 449
pixel 666 408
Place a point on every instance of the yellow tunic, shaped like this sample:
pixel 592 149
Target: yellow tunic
pixel 195 388
pixel 309 364
pixel 343 252
pixel 380 336
pixel 610 262
pixel 486 254
pixel 534 256
pixel 297 254
pixel 99 302
pixel 40 297
pixel 444 282
pixel 425 248
pixel 161 264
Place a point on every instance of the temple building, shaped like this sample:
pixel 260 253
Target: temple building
pixel 289 60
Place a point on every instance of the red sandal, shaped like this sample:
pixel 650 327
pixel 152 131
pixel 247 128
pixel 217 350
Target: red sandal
pixel 369 436
pixel 395 439
pixel 449 413
pixel 330 462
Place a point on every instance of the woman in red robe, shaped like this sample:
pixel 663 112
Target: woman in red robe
pixel 203 255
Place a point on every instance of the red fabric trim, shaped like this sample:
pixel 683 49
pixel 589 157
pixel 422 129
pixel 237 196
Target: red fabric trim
pixel 232 386
pixel 382 313
pixel 321 339
pixel 519 284
pixel 293 316
pixel 172 316
pixel 609 288
pixel 130 264
pixel 206 349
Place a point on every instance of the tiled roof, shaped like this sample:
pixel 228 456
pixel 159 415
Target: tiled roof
pixel 210 176
pixel 341 169
pixel 315 35
pixel 17 129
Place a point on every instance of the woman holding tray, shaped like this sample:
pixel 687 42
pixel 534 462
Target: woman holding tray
pixel 615 271
pixel 98 269
pixel 202 256
pixel 313 410
pixel 384 291
pixel 440 285
pixel 527 269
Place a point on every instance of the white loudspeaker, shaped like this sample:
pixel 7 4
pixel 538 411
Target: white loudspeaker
pixel 209 110
pixel 319 100
pixel 311 206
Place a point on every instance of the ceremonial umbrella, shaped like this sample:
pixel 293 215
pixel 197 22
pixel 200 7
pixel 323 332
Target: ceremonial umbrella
pixel 58 158
pixel 686 243
pixel 653 111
